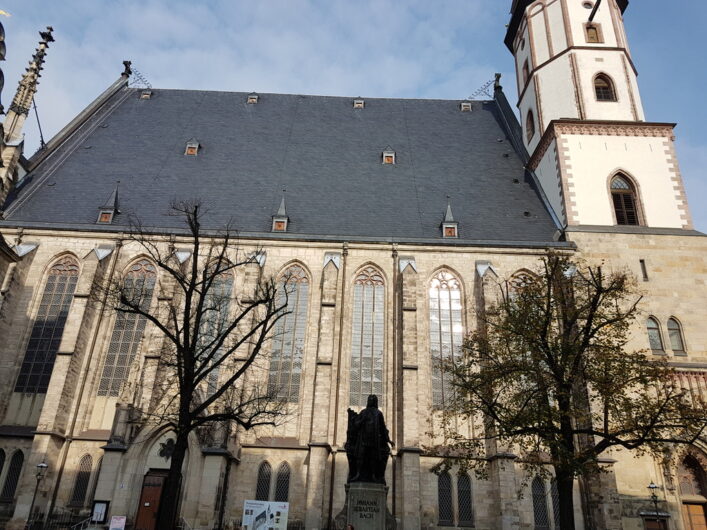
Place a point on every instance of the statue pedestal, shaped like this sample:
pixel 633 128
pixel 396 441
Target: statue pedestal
pixel 366 506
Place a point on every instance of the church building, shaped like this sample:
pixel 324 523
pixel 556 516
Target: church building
pixel 398 217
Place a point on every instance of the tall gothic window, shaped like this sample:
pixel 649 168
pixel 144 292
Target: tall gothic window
pixel 675 335
pixel 83 477
pixel 12 478
pixel 465 501
pixel 555 495
pixel 691 478
pixel 288 338
pixel 654 338
pixel 444 499
pixel 604 88
pixel 262 487
pixel 624 198
pixel 139 283
pixel 282 483
pixel 367 337
pixel 542 520
pixel 530 126
pixel 446 333
pixel 48 327
pixel 2 461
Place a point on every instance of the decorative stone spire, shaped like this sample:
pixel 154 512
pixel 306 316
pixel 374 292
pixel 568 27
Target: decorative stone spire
pixel 280 219
pixel 450 228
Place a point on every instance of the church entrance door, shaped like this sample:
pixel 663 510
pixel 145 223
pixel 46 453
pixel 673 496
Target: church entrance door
pixel 150 500
pixel 693 516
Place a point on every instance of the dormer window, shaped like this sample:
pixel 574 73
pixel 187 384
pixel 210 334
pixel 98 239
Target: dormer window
pixel 146 94
pixel 359 103
pixel 192 148
pixel 105 217
pixel 253 98
pixel 389 157
pixel 465 106
pixel 449 230
pixel 279 224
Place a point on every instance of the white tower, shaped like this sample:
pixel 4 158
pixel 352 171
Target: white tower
pixel 599 161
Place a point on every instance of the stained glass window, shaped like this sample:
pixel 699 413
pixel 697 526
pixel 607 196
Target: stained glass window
pixel 139 283
pixel 13 476
pixel 446 333
pixel 444 499
pixel 555 494
pixel 48 327
pixel 288 337
pixel 367 337
pixel 83 476
pixel 262 487
pixel 691 477
pixel 282 483
pixel 542 521
pixel 465 501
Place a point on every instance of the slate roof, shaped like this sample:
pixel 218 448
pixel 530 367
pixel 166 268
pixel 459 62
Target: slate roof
pixel 322 151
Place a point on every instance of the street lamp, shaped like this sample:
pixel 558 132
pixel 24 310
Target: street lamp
pixel 652 487
pixel 41 471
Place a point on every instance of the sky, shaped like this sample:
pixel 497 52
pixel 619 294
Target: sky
pixel 376 48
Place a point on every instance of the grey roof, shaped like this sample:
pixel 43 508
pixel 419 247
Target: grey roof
pixel 323 151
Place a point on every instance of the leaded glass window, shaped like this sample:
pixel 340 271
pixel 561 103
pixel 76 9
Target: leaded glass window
pixel 555 494
pixel 13 477
pixel 465 501
pixel 288 338
pixel 542 521
pixel 83 476
pixel 691 478
pixel 139 283
pixel 262 487
pixel 654 338
pixel 48 327
pixel 446 334
pixel 675 335
pixel 444 499
pixel 367 337
pixel 282 483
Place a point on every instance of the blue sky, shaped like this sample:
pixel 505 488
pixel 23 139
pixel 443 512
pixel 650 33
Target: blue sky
pixel 375 48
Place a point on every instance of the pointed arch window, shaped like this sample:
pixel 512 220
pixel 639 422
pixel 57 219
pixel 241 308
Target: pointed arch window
pixel 526 72
pixel 138 286
pixel 654 338
pixel 262 487
pixel 282 483
pixel 623 196
pixel 83 477
pixel 604 88
pixel 13 476
pixel 691 478
pixel 367 337
pixel 555 495
pixel 288 339
pixel 530 126
pixel 48 327
pixel 542 520
pixel 677 344
pixel 444 499
pixel 2 461
pixel 465 501
pixel 446 334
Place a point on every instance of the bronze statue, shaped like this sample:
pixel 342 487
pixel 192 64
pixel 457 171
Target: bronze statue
pixel 367 444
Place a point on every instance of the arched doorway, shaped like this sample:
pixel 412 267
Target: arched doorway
pixel 693 492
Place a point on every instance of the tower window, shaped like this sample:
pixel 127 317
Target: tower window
pixel 592 32
pixel 624 199
pixel 526 73
pixel 530 126
pixel 675 336
pixel 604 88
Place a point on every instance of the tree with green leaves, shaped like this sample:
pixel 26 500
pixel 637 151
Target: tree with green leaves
pixel 550 372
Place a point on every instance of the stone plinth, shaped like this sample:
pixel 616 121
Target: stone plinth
pixel 366 507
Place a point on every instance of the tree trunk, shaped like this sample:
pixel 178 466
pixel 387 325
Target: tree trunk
pixel 169 500
pixel 565 490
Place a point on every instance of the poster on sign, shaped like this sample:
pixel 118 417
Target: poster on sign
pixel 264 515
pixel 117 522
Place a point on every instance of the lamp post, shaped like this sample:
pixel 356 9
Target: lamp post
pixel 652 487
pixel 41 470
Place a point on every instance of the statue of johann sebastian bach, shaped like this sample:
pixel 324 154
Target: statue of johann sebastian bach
pixel 367 444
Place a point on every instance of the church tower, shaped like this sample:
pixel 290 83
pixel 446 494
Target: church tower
pixel 599 161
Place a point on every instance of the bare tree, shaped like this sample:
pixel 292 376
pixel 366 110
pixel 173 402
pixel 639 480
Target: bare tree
pixel 549 372
pixel 212 337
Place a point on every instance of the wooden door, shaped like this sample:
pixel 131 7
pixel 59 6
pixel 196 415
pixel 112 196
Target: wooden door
pixel 694 516
pixel 146 518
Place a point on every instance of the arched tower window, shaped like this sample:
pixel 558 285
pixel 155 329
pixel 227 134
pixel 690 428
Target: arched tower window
pixel 138 284
pixel 530 126
pixel 623 197
pixel 675 334
pixel 288 338
pixel 83 477
pixel 48 327
pixel 542 521
pixel 262 487
pixel 282 483
pixel 444 499
pixel 13 476
pixel 654 338
pixel 446 333
pixel 465 501
pixel 367 337
pixel 604 88
pixel 526 72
